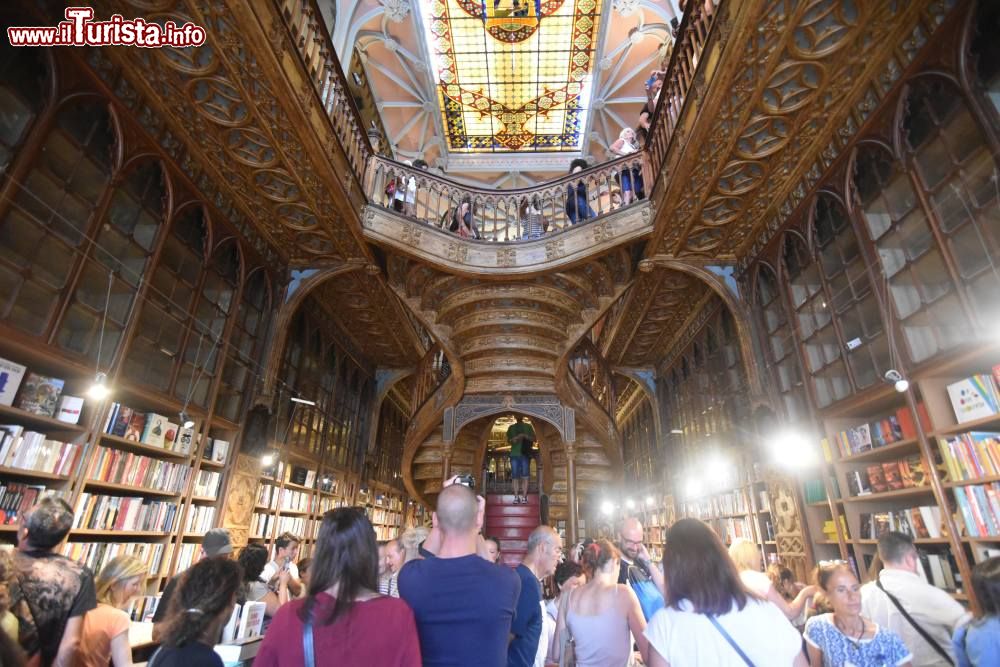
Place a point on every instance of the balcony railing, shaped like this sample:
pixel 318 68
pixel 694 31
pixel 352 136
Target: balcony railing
pixel 506 215
pixel 431 373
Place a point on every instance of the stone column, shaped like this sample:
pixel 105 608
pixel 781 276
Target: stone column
pixel 570 449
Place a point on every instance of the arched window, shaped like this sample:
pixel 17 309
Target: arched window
pixel 156 347
pixel 43 229
pixel 23 73
pixel 207 325
pixel 959 175
pixel 851 299
pixel 243 354
pixel 123 245
pixel 921 290
pixel 780 346
pixel 819 337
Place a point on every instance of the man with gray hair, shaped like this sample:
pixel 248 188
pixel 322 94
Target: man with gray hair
pixel 901 600
pixel 462 603
pixel 544 553
pixel 53 592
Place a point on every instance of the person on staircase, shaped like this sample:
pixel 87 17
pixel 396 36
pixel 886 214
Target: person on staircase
pixel 637 568
pixel 520 437
pixel 544 553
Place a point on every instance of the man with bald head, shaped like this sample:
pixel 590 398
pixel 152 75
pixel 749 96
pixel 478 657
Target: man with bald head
pixel 463 604
pixel 638 569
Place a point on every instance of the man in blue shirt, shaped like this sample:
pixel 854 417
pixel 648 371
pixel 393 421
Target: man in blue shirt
pixel 544 553
pixel 463 604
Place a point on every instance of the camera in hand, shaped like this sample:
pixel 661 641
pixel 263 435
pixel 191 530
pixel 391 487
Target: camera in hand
pixel 466 480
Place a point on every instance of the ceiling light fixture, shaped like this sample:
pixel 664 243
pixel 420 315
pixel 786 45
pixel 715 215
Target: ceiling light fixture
pixel 100 389
pixel 186 420
pixel 303 401
pixel 897 380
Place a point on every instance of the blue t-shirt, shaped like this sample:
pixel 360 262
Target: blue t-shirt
pixel 976 642
pixel 463 608
pixel 527 625
pixel 839 650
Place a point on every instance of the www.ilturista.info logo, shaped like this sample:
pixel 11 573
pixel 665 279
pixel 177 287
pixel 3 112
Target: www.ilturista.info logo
pixel 79 29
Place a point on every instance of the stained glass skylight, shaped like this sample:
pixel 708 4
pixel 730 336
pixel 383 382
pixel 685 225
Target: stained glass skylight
pixel 512 75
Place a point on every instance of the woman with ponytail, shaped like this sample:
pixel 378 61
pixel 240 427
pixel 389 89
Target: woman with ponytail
pixel 343 611
pixel 600 618
pixel 201 605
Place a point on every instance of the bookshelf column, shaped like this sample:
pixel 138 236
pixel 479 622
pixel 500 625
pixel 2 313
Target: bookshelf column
pixel 570 448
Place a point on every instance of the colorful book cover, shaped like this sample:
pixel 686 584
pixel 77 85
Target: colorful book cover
pixel 121 422
pixel 155 431
pixel 912 472
pixel 182 444
pixel 973 398
pixel 220 449
pixel 70 408
pixel 987 448
pixel 40 394
pixel 876 478
pixel 904 418
pixel 136 425
pixel 893 476
pixel 919 527
pixel 170 436
pixel 10 379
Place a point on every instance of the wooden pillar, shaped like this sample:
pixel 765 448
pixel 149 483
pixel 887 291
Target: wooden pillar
pixel 570 448
pixel 446 450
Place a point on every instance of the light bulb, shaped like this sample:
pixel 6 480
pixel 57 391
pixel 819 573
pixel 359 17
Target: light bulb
pixel 676 431
pixel 629 503
pixel 99 390
pixel 650 501
pixel 902 385
pixel 267 460
pixel 186 420
pixel 607 508
pixel 693 487
pixel 897 380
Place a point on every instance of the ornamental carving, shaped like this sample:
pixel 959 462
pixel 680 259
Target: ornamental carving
pixel 506 257
pixel 396 10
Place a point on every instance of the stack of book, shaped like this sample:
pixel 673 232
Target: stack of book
pixel 295 501
pixel 261 524
pixel 186 555
pixel 979 505
pixel 148 428
pixel 879 433
pixel 111 465
pixel 888 476
pixel 919 523
pixel 830 529
pixel 972 455
pixel 29 450
pixel 96 554
pixel 206 484
pixel 267 496
pixel 16 499
pixel 200 519
pixel 99 512
pixel 301 476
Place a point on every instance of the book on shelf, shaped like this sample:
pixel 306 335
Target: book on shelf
pixel 186 555
pixel 917 522
pixel 136 426
pixel 888 430
pixel 940 570
pixel 142 608
pixel 123 513
pixel 216 450
pixel 974 398
pixel 170 436
pixel 979 507
pixel 30 450
pixel 10 379
pixel 888 476
pixel 206 483
pixel 857 483
pixel 155 430
pixel 16 499
pixel 70 408
pixel 40 394
pixel 971 455
pixel 830 529
pixel 112 465
pixel 95 555
pixel 814 491
pixel 200 519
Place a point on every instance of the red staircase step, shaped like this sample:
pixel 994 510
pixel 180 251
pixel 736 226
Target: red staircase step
pixel 511 510
pixel 508 499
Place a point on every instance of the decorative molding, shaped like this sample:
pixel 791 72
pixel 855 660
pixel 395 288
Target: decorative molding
pixel 546 407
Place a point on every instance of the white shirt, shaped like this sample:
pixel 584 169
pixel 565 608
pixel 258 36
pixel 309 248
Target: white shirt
pixel 273 568
pixel 688 639
pixel 936 611
pixel 756 582
pixel 544 639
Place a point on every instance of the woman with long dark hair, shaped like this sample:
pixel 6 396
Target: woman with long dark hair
pixel 347 617
pixel 710 618
pixel 200 606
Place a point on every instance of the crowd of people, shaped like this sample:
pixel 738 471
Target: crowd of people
pixel 439 597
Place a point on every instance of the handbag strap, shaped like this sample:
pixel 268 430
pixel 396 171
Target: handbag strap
pixel 916 626
pixel 732 642
pixel 308 648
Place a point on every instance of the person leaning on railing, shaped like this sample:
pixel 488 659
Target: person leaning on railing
pixel 462 221
pixel 531 218
pixel 577 205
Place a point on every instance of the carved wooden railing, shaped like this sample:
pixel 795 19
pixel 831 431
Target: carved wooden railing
pixel 313 43
pixel 431 373
pixel 684 57
pixel 593 374
pixel 503 215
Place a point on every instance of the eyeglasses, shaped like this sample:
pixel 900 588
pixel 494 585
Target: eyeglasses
pixel 634 543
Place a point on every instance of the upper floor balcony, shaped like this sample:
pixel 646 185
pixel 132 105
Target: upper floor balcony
pixel 474 227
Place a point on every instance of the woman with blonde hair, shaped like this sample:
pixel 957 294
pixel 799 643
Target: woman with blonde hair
pixel 104 639
pixel 746 556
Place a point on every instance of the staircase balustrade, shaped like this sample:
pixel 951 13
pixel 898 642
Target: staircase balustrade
pixel 498 215
pixel 432 371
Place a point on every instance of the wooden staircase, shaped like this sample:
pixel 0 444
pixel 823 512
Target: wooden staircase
pixel 511 524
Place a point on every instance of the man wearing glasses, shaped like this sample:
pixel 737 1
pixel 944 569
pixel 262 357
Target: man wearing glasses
pixel 638 569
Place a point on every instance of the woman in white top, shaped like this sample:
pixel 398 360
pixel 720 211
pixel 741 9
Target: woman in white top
pixel 631 178
pixel 746 556
pixel 704 589
pixel 569 576
pixel 600 615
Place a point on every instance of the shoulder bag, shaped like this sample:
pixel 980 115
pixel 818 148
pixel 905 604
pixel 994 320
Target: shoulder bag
pixel 916 626
pixel 728 638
